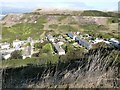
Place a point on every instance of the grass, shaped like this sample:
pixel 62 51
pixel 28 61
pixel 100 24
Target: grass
pixel 62 18
pixel 43 59
pixel 19 62
pixel 53 26
pixel 67 28
pixel 24 30
pixel 48 47
pixel 93 27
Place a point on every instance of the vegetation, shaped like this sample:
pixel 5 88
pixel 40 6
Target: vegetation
pixel 92 27
pixel 13 63
pixel 30 30
pixel 53 26
pixel 100 13
pixel 67 28
pixel 62 18
pixel 16 55
pixel 45 58
pixel 113 20
pixel 48 48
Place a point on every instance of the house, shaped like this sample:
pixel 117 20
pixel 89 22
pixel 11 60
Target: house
pixel 97 40
pixel 50 38
pixel 71 35
pixel 60 43
pixel 29 39
pixel 83 42
pixel 8 50
pixel 78 33
pixel 5 45
pixel 115 43
pixel 113 40
pixel 6 53
pixel 6 56
pixel 17 44
pixel 27 52
pixel 59 49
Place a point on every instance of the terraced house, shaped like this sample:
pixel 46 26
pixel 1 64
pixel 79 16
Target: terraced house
pixel 83 42
pixel 59 49
pixel 71 35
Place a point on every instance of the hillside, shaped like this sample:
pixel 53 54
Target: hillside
pixel 97 69
pixel 45 67
pixel 58 21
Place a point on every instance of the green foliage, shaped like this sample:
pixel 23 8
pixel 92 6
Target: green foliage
pixel 16 55
pixel 48 48
pixel 28 44
pixel 38 45
pixel 100 13
pixel 101 45
pixel 48 58
pixel 53 26
pixel 41 20
pixel 62 18
pixel 20 62
pixel 24 30
pixel 113 20
pixel 73 55
pixel 93 27
pixel 69 48
pixel 67 28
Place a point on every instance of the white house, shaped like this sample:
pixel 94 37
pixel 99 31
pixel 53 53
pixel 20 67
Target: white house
pixel 7 56
pixel 114 42
pixel 17 43
pixel 97 40
pixel 29 39
pixel 5 45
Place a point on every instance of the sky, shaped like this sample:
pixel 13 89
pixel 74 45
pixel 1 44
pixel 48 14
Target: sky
pixel 111 5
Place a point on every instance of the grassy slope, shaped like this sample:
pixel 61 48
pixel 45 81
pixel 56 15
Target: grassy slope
pixel 24 30
pixel 35 30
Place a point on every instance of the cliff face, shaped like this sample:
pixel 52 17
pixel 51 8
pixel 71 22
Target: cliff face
pixel 96 70
pixel 13 19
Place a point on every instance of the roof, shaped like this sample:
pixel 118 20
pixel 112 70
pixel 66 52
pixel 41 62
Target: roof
pixel 5 44
pixel 70 33
pixel 16 40
pixel 58 48
pixel 83 40
pixel 27 51
pixel 50 37
pixel 114 40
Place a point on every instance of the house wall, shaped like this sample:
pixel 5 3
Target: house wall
pixel 7 46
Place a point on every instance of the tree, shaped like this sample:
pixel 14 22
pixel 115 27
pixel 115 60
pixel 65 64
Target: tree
pixel 16 55
pixel 38 45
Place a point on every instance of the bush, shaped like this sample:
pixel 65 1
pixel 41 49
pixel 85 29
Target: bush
pixel 16 55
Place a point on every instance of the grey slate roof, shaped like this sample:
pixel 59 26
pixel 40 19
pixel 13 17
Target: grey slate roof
pixel 58 48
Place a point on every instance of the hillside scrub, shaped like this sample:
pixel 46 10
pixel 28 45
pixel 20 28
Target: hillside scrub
pixel 98 67
pixel 99 13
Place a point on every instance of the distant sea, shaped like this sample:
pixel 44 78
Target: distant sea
pixel 5 11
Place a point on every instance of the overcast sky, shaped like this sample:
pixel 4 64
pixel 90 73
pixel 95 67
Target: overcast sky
pixel 68 4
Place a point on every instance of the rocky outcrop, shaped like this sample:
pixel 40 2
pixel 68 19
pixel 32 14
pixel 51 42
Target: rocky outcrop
pixel 12 19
